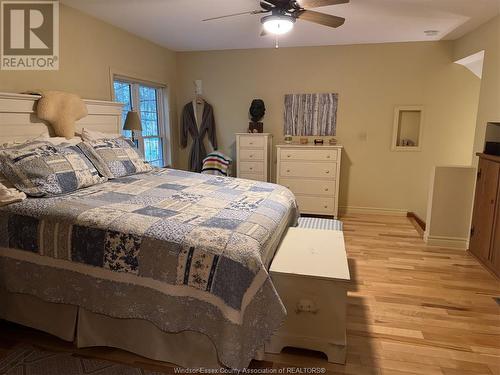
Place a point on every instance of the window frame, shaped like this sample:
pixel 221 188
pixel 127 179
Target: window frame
pixel 162 103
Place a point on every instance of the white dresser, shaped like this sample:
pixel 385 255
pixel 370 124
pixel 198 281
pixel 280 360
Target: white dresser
pixel 312 173
pixel 254 156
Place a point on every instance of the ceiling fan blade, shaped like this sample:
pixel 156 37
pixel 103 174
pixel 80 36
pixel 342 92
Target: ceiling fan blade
pixel 321 18
pixel 236 14
pixel 275 2
pixel 308 4
pixel 266 6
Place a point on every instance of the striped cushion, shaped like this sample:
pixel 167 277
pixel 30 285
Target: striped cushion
pixel 317 223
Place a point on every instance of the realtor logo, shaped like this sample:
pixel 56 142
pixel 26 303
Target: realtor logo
pixel 29 35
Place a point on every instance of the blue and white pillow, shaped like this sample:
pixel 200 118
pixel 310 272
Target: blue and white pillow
pixel 114 157
pixel 41 169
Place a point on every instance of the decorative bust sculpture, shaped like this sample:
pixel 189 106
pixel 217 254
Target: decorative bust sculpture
pixel 257 112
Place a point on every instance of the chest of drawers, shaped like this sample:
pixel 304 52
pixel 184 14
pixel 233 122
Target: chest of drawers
pixel 254 156
pixel 312 174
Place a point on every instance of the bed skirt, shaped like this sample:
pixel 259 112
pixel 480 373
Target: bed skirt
pixel 86 329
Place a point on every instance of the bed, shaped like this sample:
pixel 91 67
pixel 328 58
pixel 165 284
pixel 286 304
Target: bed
pixel 167 264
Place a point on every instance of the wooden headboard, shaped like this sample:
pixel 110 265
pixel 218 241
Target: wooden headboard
pixel 18 120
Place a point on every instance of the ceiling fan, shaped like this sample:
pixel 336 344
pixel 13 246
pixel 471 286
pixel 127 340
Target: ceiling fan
pixel 284 14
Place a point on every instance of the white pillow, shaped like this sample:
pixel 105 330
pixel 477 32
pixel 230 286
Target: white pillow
pixel 15 142
pixel 10 195
pixel 58 141
pixel 92 135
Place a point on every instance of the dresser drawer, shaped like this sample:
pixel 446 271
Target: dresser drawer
pixel 249 155
pixel 308 169
pixel 311 187
pixel 251 167
pixel 252 142
pixel 314 154
pixel 316 205
pixel 252 176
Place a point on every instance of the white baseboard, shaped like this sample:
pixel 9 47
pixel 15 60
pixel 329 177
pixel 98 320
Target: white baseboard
pixel 346 210
pixel 449 242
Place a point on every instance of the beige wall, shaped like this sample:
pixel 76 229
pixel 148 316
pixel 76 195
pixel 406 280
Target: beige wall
pixel 487 38
pixel 371 80
pixel 90 49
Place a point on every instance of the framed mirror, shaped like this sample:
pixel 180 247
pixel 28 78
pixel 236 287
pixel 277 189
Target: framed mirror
pixel 408 127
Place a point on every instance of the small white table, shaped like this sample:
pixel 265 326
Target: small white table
pixel 311 275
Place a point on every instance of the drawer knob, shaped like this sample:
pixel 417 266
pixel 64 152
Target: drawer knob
pixel 327 172
pixel 288 171
pixel 251 143
pixel 328 156
pixel 251 156
pixel 251 168
pixel 326 189
pixel 326 206
pixel 289 156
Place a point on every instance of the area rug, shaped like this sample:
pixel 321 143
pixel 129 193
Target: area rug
pixel 27 360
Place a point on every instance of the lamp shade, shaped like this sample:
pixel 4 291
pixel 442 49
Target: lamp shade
pixel 133 122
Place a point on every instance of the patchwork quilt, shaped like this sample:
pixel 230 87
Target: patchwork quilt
pixel 184 251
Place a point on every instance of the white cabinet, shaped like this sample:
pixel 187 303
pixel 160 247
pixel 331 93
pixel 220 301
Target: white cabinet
pixel 311 274
pixel 312 173
pixel 254 156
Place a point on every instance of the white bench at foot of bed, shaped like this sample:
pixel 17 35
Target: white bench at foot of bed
pixel 311 275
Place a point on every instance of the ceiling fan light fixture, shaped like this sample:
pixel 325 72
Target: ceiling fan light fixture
pixel 278 24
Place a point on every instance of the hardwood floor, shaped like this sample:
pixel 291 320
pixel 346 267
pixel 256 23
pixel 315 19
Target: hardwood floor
pixel 412 309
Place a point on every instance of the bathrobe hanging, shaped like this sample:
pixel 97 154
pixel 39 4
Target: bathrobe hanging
pixel 189 126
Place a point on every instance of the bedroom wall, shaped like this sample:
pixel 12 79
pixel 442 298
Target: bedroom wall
pixel 371 80
pixel 89 49
pixel 487 38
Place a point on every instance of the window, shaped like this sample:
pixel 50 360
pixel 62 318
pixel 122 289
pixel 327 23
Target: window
pixel 149 101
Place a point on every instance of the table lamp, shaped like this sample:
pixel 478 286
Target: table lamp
pixel 133 123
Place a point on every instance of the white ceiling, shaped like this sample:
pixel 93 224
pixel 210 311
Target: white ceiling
pixel 177 24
